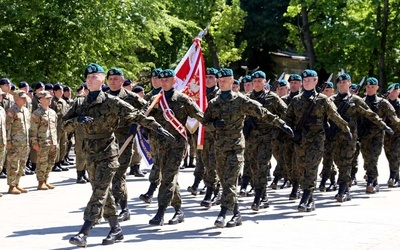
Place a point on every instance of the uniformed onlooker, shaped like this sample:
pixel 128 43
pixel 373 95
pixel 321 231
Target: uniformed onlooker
pixel 18 123
pixel 224 117
pixel 99 115
pixel 247 83
pixel 282 88
pixel 24 86
pixel 236 86
pixel 307 113
pixel 138 90
pixel 6 98
pixel 128 85
pixel 3 138
pixel 43 138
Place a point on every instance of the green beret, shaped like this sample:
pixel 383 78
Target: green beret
pixel 166 73
pixel 93 68
pixel 309 73
pixel 394 86
pixel 295 77
pixel 343 77
pixel 212 71
pixel 353 86
pixel 372 81
pixel 155 72
pixel 225 72
pixel 258 74
pixel 246 79
pixel 236 82
pixel 329 85
pixel 115 72
pixel 282 83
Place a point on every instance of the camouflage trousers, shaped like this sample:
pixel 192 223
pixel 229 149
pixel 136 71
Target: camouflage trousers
pixel 343 152
pixel 208 161
pixel 308 157
pixel 392 150
pixel 2 156
pixel 16 160
pixel 328 168
pixel 229 164
pixel 119 189
pixel 354 162
pixel 155 175
pixel 258 154
pixel 136 157
pixel 170 156
pixel 79 155
pixel 281 171
pixel 101 202
pixel 192 142
pixel 45 161
pixel 62 141
pixel 371 148
pixel 289 156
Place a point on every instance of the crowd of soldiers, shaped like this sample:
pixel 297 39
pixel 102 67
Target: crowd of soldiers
pixel 300 123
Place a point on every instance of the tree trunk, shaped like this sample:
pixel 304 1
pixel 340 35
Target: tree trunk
pixel 213 50
pixel 308 37
pixel 382 52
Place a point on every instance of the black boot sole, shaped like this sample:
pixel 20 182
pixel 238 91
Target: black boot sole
pixel 118 237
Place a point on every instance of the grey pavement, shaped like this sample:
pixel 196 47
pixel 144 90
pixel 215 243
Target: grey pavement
pixel 47 219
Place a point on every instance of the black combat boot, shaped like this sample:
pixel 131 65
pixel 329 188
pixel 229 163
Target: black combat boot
pixel 310 203
pixel 269 175
pixel 370 186
pixel 84 176
pixel 236 219
pixel 115 233
pixel 243 187
pixel 3 174
pixel 220 221
pixel 274 183
pixel 342 195
pixel 80 239
pixel 158 219
pixel 264 203
pixel 285 181
pixel 392 180
pixel 179 216
pixel 147 197
pixel 80 179
pixel 137 171
pixel 323 182
pixel 256 203
pixel 295 194
pixel 376 186
pixel 185 160
pixel 304 201
pixel 193 189
pixel 206 202
pixel 33 167
pixel 124 215
pixel 191 164
pixel 332 185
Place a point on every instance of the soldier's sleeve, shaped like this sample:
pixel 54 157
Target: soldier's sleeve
pixel 208 119
pixel 193 110
pixel 254 108
pixel 390 113
pixel 289 117
pixel 133 115
pixel 280 107
pixel 33 131
pixel 70 119
pixel 363 110
pixel 332 114
pixel 9 122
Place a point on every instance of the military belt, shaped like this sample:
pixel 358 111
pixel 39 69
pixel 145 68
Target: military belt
pixel 98 136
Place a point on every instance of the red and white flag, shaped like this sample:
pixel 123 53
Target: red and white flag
pixel 191 80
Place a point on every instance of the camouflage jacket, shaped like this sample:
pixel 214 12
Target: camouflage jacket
pixel 313 126
pixel 61 108
pixel 288 98
pixel 6 101
pixel 148 96
pixel 385 111
pixel 396 106
pixel 106 110
pixel 233 111
pixel 352 108
pixel 182 106
pixel 43 131
pixel 17 123
pixel 273 103
pixel 3 131
pixel 133 99
pixel 35 103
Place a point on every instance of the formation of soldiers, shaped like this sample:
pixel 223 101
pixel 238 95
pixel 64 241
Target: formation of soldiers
pixel 299 125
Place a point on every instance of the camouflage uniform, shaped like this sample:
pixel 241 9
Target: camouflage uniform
pixel 79 137
pixel 371 135
pixel 32 152
pixel 351 107
pixel 392 147
pixel 18 123
pixel 168 155
pixel 229 140
pixel 258 151
pixel 119 189
pixel 61 108
pixel 100 147
pixel 3 137
pixel 43 133
pixel 309 149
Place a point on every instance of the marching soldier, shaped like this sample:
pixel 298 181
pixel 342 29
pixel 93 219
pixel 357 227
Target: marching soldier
pixel 307 113
pixel 99 115
pixel 224 117
pixel 3 138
